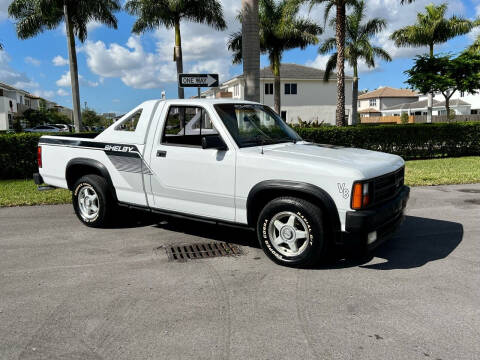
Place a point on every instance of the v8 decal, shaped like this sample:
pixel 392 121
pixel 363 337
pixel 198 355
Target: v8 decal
pixel 342 188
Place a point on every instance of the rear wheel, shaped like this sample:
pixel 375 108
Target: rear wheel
pixel 290 231
pixel 92 201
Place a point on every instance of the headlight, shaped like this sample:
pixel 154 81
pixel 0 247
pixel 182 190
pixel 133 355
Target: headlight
pixel 361 195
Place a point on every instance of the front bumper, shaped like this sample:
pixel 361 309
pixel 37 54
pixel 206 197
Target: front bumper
pixel 383 220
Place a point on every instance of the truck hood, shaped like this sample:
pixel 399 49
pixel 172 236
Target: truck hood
pixel 368 163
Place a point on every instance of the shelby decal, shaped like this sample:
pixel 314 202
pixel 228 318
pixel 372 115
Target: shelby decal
pixel 119 148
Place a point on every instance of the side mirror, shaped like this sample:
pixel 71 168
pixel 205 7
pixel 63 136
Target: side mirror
pixel 213 142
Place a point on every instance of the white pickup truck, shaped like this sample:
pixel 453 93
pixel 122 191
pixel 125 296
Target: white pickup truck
pixel 232 162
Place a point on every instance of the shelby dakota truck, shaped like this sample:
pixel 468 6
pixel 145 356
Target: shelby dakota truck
pixel 232 162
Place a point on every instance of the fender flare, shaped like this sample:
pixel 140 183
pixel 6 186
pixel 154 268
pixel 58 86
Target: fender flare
pixel 306 189
pixel 102 169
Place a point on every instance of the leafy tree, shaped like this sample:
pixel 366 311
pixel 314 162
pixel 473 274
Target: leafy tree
pixel 35 16
pixel 432 28
pixel 280 29
pixel 151 14
pixel 445 75
pixel 357 47
pixel 91 118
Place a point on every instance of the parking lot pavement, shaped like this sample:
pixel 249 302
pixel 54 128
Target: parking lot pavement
pixel 71 292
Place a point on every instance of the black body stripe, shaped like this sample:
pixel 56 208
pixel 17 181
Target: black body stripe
pixel 92 145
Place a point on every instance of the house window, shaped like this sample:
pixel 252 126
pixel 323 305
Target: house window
pixel 186 125
pixel 236 91
pixel 373 102
pixel 474 112
pixel 283 115
pixel 10 121
pixel 462 94
pixel 269 89
pixel 290 89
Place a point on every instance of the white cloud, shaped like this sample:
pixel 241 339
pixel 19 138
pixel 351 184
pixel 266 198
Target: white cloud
pixel 62 92
pixel 59 61
pixel 136 68
pixel 46 94
pixel 204 50
pixel 4 9
pixel 32 61
pixel 11 76
pixel 65 81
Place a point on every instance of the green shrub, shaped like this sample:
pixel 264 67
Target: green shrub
pixel 404 118
pixel 411 141
pixel 18 154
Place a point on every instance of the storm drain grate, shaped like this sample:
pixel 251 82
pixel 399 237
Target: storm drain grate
pixel 201 251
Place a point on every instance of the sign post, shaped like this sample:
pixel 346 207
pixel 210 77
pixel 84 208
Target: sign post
pixel 197 80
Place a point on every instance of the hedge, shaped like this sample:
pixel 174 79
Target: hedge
pixel 411 141
pixel 18 152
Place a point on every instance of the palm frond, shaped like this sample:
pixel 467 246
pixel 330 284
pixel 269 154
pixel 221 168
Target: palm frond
pixel 330 67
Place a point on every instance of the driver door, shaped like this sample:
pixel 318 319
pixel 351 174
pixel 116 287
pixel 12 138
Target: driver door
pixel 186 178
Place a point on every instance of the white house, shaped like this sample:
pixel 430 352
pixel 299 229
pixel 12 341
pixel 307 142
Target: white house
pixel 15 101
pixel 472 99
pixel 460 107
pixel 375 102
pixel 304 94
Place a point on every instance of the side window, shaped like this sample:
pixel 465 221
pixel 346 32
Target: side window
pixel 186 125
pixel 130 124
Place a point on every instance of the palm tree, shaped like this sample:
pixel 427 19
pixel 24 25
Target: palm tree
pixel 357 47
pixel 152 14
pixel 280 30
pixel 340 23
pixel 35 16
pixel 251 49
pixel 432 28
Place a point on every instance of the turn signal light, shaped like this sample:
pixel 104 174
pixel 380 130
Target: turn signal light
pixel 360 195
pixel 357 199
pixel 39 157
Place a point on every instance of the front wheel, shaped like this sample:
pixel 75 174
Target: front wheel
pixel 290 231
pixel 92 201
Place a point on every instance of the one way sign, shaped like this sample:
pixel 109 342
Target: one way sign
pixel 198 80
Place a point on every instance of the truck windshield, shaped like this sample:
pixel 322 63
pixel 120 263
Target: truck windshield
pixel 254 125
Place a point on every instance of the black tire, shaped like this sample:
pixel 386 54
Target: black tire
pixel 315 247
pixel 106 203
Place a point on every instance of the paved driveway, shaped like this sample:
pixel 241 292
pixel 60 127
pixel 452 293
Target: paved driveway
pixel 70 292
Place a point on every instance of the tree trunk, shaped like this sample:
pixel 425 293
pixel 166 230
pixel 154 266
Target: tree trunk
pixel 277 85
pixel 72 54
pixel 447 106
pixel 340 37
pixel 251 49
pixel 430 96
pixel 355 95
pixel 178 58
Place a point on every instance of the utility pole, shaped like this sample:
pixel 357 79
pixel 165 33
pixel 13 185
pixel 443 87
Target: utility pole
pixel 251 49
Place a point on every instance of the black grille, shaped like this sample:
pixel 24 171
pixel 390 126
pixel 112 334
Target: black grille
pixel 387 186
pixel 201 251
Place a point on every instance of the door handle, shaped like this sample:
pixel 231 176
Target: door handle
pixel 161 153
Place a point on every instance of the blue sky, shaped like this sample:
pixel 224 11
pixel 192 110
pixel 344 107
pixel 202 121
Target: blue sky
pixel 119 70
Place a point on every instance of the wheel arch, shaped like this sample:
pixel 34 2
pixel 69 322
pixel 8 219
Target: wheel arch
pixel 265 191
pixel 79 167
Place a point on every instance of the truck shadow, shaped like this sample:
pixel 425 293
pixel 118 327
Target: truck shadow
pixel 417 242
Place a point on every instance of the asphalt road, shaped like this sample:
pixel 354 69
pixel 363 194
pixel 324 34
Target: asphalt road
pixel 70 292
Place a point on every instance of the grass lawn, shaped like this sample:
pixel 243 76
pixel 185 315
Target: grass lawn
pixel 24 192
pixel 464 170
